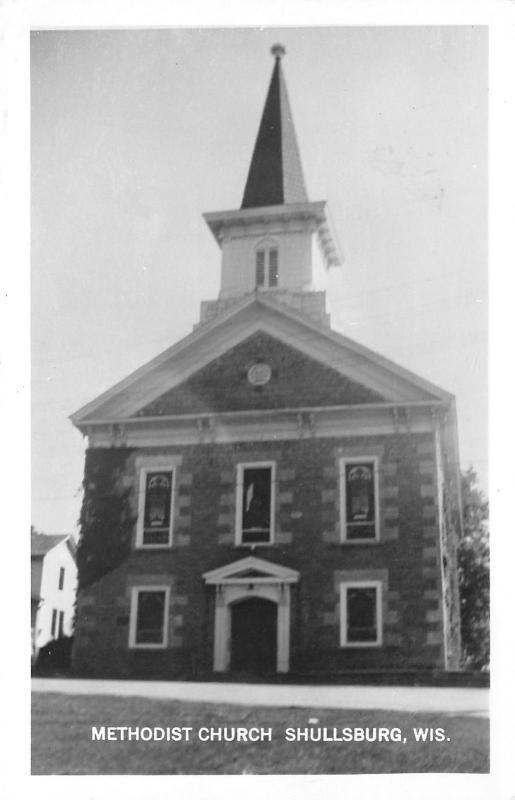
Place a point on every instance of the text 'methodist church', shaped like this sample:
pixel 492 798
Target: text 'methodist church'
pixel 268 496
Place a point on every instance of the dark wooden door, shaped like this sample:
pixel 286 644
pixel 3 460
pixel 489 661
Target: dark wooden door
pixel 254 636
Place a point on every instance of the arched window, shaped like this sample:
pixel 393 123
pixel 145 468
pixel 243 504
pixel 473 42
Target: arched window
pixel 359 499
pixel 155 517
pixel 267 265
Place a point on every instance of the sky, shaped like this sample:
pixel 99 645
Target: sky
pixel 136 133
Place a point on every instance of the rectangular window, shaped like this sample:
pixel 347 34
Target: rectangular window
pixel 60 630
pixel 155 517
pixel 61 578
pixel 54 628
pixel 255 503
pixel 149 617
pixel 359 499
pixel 360 614
pixel 260 268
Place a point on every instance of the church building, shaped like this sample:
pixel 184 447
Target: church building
pixel 268 496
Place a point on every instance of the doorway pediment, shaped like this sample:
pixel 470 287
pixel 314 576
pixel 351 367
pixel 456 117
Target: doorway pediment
pixel 258 570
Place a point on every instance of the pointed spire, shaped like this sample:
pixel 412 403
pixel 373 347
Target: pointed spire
pixel 275 175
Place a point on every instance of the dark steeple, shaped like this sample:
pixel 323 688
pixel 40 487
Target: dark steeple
pixel 275 175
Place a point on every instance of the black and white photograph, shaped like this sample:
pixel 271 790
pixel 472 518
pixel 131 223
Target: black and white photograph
pixel 259 310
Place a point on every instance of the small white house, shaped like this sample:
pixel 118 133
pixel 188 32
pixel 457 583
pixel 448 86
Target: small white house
pixel 53 587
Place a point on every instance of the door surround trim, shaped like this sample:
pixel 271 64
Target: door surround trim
pixel 242 579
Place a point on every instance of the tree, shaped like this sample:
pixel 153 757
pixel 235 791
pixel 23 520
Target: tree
pixel 474 575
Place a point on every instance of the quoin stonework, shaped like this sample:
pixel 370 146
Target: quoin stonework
pixel 267 496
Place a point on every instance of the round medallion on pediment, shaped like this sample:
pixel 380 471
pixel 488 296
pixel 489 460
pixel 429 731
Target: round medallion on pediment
pixel 259 374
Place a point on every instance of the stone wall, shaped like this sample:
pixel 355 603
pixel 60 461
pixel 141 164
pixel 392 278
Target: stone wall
pixel 307 538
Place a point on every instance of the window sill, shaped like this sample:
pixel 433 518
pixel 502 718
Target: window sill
pixel 144 547
pixel 253 545
pixel 359 542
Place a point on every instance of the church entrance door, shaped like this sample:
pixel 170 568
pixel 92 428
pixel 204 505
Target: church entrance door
pixel 254 636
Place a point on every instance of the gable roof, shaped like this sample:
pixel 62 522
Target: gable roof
pixel 275 175
pixel 42 543
pixel 257 312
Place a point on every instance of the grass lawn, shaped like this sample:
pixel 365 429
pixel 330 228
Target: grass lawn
pixel 62 744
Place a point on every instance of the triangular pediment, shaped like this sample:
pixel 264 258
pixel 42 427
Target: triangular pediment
pixel 250 573
pixel 285 376
pixel 333 359
pixel 251 568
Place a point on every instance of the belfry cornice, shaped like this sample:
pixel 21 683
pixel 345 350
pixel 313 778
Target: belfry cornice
pixel 266 219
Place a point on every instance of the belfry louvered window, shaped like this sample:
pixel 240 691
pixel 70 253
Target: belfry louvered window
pixel 267 267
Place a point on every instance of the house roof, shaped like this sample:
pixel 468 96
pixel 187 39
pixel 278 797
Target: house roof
pixel 275 175
pixel 42 543
pixel 72 547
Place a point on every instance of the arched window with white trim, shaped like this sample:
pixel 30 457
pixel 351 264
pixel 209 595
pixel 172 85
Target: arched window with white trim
pixel 267 265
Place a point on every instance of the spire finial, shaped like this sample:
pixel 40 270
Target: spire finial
pixel 278 50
